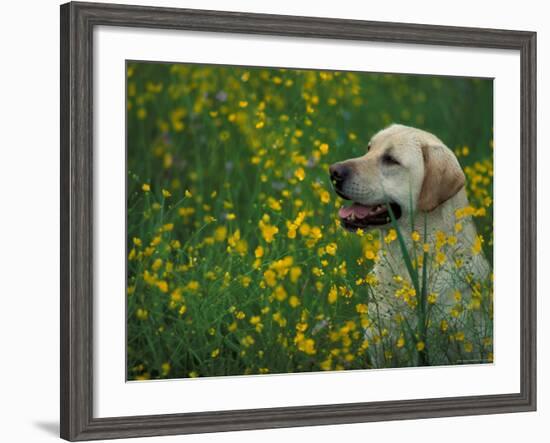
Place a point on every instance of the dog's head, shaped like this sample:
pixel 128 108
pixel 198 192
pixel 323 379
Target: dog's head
pixel 404 168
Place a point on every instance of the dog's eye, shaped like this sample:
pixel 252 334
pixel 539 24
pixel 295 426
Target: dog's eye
pixel 368 146
pixel 389 160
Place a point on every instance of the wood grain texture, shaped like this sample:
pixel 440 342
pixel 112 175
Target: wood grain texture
pixel 77 23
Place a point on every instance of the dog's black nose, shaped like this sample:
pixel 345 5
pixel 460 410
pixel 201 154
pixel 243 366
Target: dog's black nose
pixel 338 173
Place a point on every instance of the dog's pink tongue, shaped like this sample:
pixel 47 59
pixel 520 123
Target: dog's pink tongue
pixel 359 211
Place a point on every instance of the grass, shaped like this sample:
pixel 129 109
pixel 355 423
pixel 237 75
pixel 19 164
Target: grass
pixel 236 262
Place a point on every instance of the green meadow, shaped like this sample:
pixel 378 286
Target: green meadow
pixel 236 261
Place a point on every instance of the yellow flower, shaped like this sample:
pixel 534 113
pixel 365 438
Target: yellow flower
pixel 235 241
pixel 299 218
pixel 415 236
pixel 166 193
pixel 300 174
pixel 220 234
pixel 142 314
pixel 420 346
pixel 426 247
pixel 331 248
pixel 440 258
pixel 280 293
pixel 268 231
pixel 371 279
pixel 306 345
pixel 325 196
pixel 295 273
pixel 323 148
pixel 400 342
pixel 362 308
pixel 274 204
pixel 156 264
pixel 241 247
pixel 259 252
pixel 326 365
pixel 333 295
pixel 188 193
pixel 167 160
pixel 175 296
pixel 141 113
pixel 270 278
pixel 480 212
pixel 476 248
pixel 444 325
pixel 186 212
pixel 432 298
pixel 475 304
pixel 144 376
pixel 279 319
pixel 293 301
pixel 441 238
pixel 163 286
pixel 391 236
pixel 305 229
pixel 146 187
pixel 247 341
pixel 148 278
pixel 193 285
pixel 165 368
pixel 291 230
pixel 464 212
pixel 370 254
pixel 215 353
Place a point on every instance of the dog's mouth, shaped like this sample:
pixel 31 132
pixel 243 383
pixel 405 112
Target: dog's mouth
pixel 359 216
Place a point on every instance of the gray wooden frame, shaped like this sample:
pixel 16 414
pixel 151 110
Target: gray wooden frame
pixel 77 24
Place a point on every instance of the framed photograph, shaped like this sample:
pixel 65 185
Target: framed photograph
pixel 272 221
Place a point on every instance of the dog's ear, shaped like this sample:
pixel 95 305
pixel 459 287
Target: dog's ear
pixel 443 177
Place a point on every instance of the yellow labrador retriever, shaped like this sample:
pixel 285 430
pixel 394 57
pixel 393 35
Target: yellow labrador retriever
pixel 419 178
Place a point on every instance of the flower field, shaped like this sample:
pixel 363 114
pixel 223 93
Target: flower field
pixel 236 260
